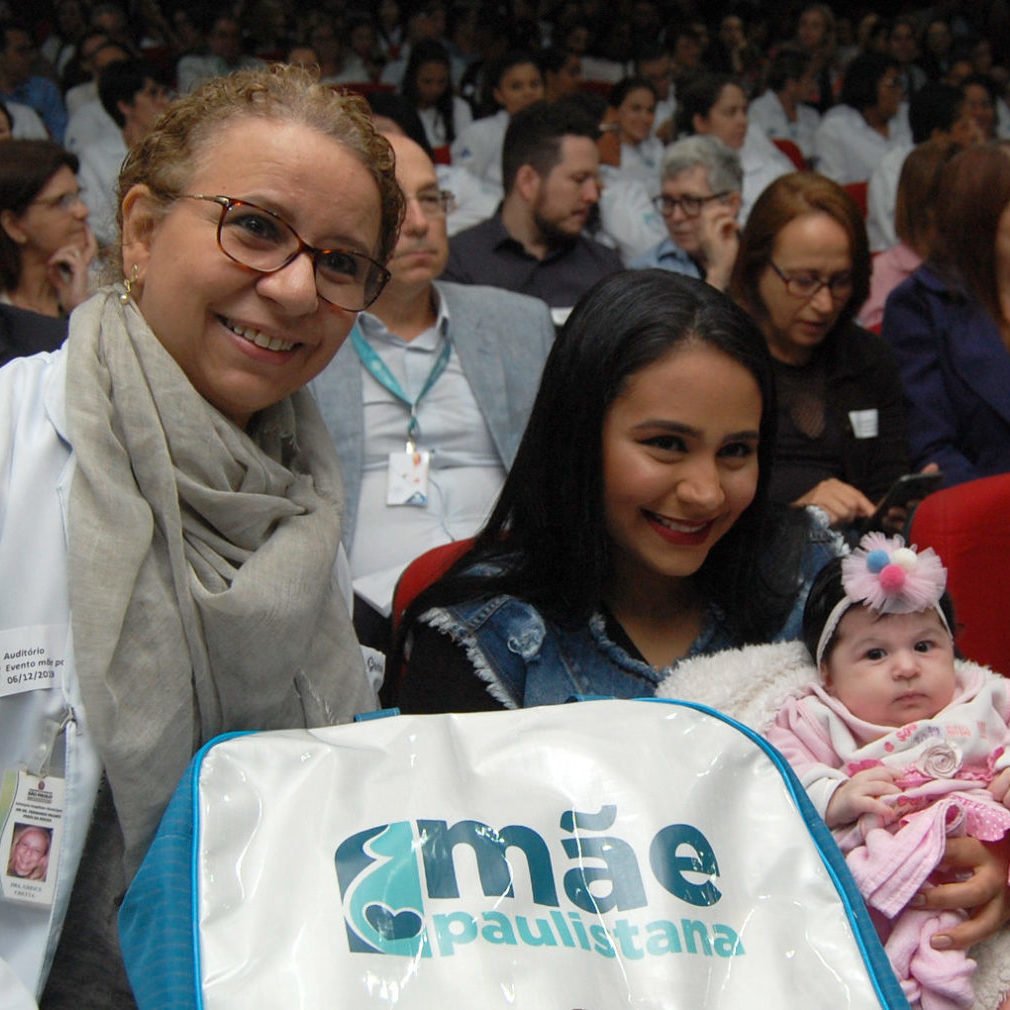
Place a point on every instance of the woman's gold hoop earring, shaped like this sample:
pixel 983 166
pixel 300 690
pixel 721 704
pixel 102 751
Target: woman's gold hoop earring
pixel 128 283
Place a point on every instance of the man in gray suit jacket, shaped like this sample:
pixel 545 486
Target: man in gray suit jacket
pixel 426 401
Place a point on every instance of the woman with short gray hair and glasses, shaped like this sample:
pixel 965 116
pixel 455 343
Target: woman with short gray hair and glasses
pixel 699 201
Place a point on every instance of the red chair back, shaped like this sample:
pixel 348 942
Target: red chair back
pixel 969 527
pixel 792 151
pixel 422 572
pixel 858 192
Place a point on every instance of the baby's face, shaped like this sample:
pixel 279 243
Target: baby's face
pixel 891 669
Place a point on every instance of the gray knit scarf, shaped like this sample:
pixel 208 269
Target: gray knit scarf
pixel 201 560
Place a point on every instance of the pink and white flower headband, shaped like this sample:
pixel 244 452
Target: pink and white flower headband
pixel 889 578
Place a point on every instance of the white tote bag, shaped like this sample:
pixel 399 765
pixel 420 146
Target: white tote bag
pixel 577 857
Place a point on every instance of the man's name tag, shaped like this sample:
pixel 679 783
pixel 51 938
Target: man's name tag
pixel 407 478
pixel 31 836
pixel 32 658
pixel 865 423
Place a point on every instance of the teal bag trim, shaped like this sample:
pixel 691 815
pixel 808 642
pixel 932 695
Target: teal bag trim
pixel 159 926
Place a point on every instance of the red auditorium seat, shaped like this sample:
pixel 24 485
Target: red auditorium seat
pixel 858 192
pixel 969 527
pixel 792 151
pixel 422 572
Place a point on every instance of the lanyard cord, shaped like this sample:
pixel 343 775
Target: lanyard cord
pixel 379 371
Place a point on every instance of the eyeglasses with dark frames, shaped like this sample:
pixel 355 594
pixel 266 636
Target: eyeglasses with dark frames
pixel 690 205
pixel 261 240
pixel 806 284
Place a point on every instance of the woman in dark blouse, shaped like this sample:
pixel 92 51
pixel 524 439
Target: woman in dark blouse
pixel 802 272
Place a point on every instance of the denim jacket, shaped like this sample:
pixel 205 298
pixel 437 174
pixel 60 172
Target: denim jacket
pixel 528 660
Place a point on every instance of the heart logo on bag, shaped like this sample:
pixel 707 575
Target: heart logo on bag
pixel 392 925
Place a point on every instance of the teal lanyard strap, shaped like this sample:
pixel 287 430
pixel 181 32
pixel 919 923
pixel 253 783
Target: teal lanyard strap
pixel 379 371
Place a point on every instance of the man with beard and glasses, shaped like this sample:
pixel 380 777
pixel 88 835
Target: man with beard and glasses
pixel 452 371
pixel 535 243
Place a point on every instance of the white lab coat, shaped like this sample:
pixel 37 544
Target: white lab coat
pixel 847 149
pixel 478 148
pixel 36 468
pixel 882 198
pixel 768 112
pixel 762 164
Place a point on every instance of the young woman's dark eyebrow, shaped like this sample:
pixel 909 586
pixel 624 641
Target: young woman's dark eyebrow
pixel 675 427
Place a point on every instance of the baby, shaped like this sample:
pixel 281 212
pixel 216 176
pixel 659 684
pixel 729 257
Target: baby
pixel 901 747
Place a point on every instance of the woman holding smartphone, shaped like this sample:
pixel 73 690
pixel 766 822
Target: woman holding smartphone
pixel 802 271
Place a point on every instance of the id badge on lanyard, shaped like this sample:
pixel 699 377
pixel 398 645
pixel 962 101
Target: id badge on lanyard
pixel 407 477
pixel 407 471
pixel 31 799
pixel 31 836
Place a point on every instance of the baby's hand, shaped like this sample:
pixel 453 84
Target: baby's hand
pixel 1000 787
pixel 861 795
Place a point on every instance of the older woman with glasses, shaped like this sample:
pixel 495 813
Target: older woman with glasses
pixel 46 245
pixel 802 272
pixel 170 499
pixel 699 201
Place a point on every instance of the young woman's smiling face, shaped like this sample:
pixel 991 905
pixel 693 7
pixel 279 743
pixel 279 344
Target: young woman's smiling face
pixel 680 462
pixel 246 339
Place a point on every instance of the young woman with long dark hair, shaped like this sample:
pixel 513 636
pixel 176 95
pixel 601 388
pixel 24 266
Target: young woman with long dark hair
pixel 633 528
